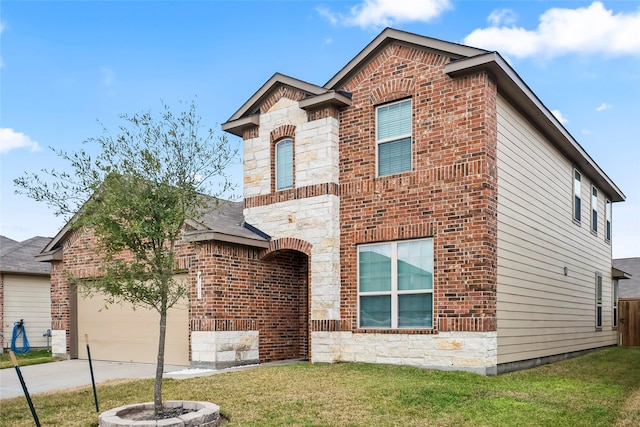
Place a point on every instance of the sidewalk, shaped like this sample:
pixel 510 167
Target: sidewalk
pixel 75 373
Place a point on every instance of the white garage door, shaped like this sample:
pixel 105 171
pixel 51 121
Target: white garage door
pixel 120 333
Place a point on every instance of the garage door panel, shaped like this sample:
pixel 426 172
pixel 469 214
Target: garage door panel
pixel 27 298
pixel 120 333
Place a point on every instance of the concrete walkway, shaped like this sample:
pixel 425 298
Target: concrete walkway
pixel 68 374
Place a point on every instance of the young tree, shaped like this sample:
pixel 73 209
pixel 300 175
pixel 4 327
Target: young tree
pixel 135 196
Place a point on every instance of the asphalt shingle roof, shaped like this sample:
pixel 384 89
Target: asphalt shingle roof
pixel 629 288
pixel 19 257
pixel 227 217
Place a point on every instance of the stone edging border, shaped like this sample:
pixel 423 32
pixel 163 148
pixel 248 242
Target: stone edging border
pixel 203 414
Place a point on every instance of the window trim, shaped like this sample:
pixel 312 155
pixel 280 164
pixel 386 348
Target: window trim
pixel 394 292
pixel 594 210
pixel 598 306
pixel 577 198
pixel 395 138
pixel 275 151
pixel 614 304
pixel 607 220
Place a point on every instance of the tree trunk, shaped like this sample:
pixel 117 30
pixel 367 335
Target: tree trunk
pixel 157 390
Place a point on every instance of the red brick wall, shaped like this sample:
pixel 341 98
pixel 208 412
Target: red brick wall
pixel 268 294
pixel 450 195
pixel 241 288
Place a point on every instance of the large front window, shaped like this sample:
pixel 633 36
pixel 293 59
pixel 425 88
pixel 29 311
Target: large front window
pixel 393 137
pixel 395 284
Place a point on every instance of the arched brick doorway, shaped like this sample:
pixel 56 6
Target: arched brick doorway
pixel 285 331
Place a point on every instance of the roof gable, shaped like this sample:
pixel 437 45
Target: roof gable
pixel 277 87
pixel 390 35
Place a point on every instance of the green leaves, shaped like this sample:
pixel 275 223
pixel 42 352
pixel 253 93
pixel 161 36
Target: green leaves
pixel 134 190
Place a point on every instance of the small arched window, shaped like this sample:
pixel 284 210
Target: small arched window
pixel 284 164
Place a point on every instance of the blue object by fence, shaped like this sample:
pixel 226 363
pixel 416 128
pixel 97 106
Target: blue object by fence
pixel 18 332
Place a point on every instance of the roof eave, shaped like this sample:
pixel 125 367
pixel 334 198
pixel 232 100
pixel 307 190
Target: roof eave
pixel 514 88
pixel 238 126
pixel 616 273
pixel 331 98
pixel 49 256
pixel 206 236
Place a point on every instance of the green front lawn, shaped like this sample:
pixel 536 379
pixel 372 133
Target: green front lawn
pixel 32 357
pixel 599 389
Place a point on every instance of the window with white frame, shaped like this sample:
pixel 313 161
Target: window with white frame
pixel 598 301
pixel 594 210
pixel 607 215
pixel 393 137
pixel 395 284
pixel 615 303
pixel 577 198
pixel 284 164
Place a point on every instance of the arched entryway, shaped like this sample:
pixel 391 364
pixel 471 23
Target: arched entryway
pixel 284 332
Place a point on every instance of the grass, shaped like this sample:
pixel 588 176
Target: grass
pixel 598 389
pixel 32 357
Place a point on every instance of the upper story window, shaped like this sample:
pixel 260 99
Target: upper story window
pixel 607 217
pixel 395 284
pixel 594 210
pixel 577 198
pixel 393 137
pixel 284 164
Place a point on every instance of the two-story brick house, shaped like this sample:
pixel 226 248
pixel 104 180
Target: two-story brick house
pixel 423 207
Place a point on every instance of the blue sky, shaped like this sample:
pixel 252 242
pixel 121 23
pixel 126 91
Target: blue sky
pixel 66 65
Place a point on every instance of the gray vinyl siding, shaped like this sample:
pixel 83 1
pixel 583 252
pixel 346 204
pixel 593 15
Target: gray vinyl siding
pixel 29 298
pixel 541 312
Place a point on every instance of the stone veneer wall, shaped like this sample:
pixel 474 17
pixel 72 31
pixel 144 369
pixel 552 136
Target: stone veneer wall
pixel 222 349
pixel 461 351
pixel 309 211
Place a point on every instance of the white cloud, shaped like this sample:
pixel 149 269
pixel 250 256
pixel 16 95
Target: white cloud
pixel 558 115
pixel 326 13
pixel 383 13
pixel 561 31
pixel 502 16
pixel 604 106
pixel 10 140
pixel 586 132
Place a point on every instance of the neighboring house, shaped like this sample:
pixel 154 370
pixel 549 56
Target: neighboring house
pixel 423 207
pixel 629 295
pixel 25 291
pixel 629 289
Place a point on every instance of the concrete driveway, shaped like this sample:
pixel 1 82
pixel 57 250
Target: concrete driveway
pixel 69 374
